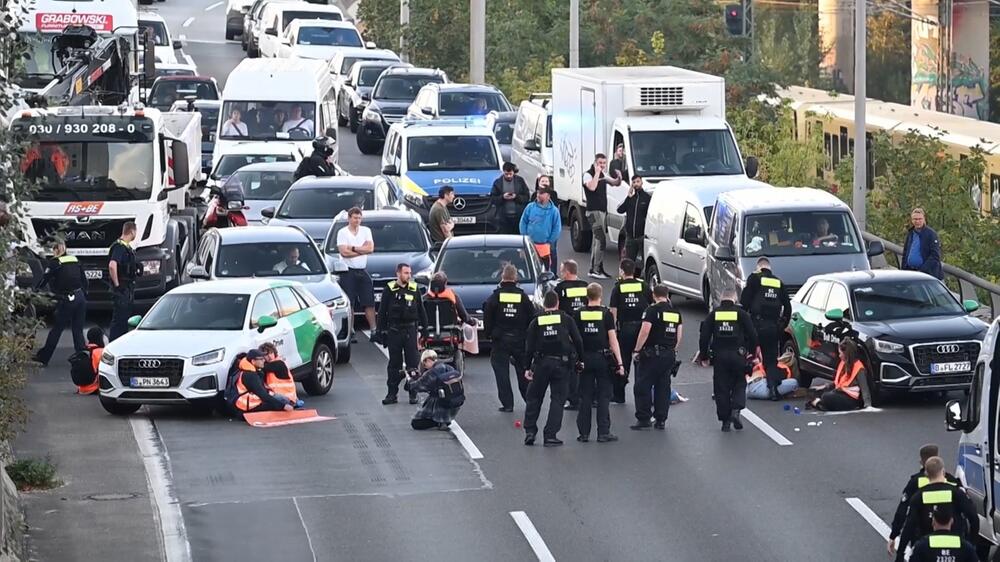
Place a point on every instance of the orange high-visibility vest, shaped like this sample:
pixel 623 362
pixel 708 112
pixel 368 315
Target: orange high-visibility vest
pixel 846 382
pixel 95 361
pixel 759 372
pixel 445 294
pixel 278 385
pixel 246 401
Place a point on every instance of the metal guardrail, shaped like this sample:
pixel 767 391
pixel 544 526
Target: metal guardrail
pixel 969 285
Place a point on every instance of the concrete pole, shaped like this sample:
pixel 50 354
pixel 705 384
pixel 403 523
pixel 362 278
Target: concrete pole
pixel 404 23
pixel 574 33
pixel 477 40
pixel 860 139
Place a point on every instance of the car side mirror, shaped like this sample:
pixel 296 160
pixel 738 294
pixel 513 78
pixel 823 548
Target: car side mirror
pixel 723 253
pixel 370 45
pixel 272 31
pixel 875 248
pixel 835 314
pixel 366 97
pixel 390 170
pixel 179 155
pixel 427 110
pixel 267 212
pixel 265 322
pixel 133 321
pixel 752 166
pixel 422 279
pixel 970 305
pixel 954 416
pixel 178 44
pixel 197 272
pixel 286 41
pixel 532 145
pixel 546 277
pixel 693 235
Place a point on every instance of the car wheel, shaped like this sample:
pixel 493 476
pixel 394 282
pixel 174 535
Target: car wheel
pixel 651 275
pixel 706 294
pixel 117 408
pixel 320 380
pixel 871 391
pixel 230 35
pixel 352 118
pixel 578 234
pixel 459 361
pixel 366 145
pixel 344 354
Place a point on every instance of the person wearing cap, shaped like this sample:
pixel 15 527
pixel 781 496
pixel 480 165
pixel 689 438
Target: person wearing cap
pixel 445 392
pixel 250 393
pixel 541 223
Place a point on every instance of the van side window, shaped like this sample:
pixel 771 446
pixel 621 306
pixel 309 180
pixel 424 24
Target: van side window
pixel 691 228
pixel 548 130
pixel 722 223
pixel 537 135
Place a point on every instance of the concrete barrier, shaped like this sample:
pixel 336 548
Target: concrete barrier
pixel 12 543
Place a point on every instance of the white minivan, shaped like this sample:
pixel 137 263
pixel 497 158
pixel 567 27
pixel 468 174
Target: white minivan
pixel 277 100
pixel 531 144
pixel 277 16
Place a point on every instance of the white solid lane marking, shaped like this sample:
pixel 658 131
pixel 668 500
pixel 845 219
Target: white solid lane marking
pixel 463 438
pixel 305 528
pixel 189 60
pixel 874 520
pixel 187 22
pixel 213 6
pixel 167 508
pixel 764 427
pixel 534 539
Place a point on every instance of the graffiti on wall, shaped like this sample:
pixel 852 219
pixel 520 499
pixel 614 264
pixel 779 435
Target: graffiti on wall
pixel 968 88
pixel 925 71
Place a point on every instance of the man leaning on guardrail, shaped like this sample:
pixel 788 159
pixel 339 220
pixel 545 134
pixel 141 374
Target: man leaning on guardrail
pixel 922 248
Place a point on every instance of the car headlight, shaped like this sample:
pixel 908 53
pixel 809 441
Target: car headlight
pixel 882 346
pixel 370 115
pixel 209 357
pixel 339 303
pixel 414 199
pixel 108 359
pixel 151 267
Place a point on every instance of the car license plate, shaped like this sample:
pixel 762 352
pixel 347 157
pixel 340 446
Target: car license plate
pixel 464 220
pixel 956 367
pixel 94 274
pixel 150 382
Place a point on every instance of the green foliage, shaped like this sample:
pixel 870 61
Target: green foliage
pixel 785 41
pixel 767 132
pixel 889 57
pixel 33 474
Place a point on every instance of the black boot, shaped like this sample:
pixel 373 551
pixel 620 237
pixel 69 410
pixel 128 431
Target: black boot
pixel 737 423
pixel 662 424
pixel 725 426
pixel 413 398
pixel 640 425
pixel 529 439
pixel 773 395
pixel 552 442
pixel 389 399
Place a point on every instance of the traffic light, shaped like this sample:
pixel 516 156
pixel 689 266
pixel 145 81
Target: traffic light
pixel 734 19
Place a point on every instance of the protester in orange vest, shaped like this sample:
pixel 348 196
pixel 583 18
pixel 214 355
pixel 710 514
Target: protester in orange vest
pixel 251 395
pixel 439 290
pixel 844 393
pixel 757 380
pixel 277 378
pixel 84 364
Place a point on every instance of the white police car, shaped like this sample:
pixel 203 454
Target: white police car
pixel 181 351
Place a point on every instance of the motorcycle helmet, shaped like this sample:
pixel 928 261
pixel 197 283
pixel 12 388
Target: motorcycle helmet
pixel 324 145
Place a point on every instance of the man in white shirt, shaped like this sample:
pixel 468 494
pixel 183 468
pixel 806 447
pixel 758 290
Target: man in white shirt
pixel 355 242
pixel 291 260
pixel 297 122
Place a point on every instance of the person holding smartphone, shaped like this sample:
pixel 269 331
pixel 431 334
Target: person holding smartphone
pixel 595 182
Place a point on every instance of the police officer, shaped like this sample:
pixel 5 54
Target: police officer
pixel 122 269
pixel 572 293
pixel 400 315
pixel 553 346
pixel 506 316
pixel 656 355
pixel 943 545
pixel 937 493
pixel 318 163
pixel 629 299
pixel 766 299
pixel 916 481
pixel 66 279
pixel 602 361
pixel 728 333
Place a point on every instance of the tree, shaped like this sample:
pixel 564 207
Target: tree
pixel 889 57
pixel 766 131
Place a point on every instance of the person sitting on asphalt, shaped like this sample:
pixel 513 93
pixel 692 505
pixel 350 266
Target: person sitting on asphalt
pixel 250 394
pixel 83 365
pixel 446 394
pixel 843 393
pixel 757 380
pixel 277 378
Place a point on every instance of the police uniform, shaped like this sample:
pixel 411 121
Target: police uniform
pixel 944 546
pixel 965 520
pixel 654 364
pixel 66 279
pixel 122 296
pixel 506 316
pixel 766 298
pixel 917 481
pixel 727 335
pixel 553 346
pixel 400 314
pixel 572 296
pixel 599 365
pixel 630 297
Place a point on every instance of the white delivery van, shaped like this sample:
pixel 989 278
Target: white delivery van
pixel 671 122
pixel 277 16
pixel 531 144
pixel 277 100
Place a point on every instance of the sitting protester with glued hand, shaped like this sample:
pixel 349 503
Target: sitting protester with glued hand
pixel 845 391
pixel 446 394
pixel 83 365
pixel 246 391
pixel 277 378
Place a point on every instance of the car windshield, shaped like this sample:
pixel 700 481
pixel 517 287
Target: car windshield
pixel 197 311
pixel 157 30
pixel 471 103
pixel 402 88
pixel 267 120
pixel 885 301
pixel 269 259
pixel 324 202
pixel 451 153
pixel 38 69
pixel 348 62
pixel 685 153
pixel 390 237
pixel 804 233
pixel 329 37
pixel 369 75
pixel 288 16
pixel 164 93
pixel 261 185
pixel 232 162
pixel 503 131
pixel 90 171
pixel 482 266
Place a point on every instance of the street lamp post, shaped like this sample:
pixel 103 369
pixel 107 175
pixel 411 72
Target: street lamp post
pixel 860 136
pixel 574 33
pixel 477 38
pixel 404 22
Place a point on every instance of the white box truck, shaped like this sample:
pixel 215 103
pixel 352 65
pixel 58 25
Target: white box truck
pixel 671 122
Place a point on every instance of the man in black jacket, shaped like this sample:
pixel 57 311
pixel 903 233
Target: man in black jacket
pixel 318 163
pixel 634 207
pixel 509 196
pixel 922 248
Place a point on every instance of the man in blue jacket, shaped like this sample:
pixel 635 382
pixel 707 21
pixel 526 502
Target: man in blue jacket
pixel 922 249
pixel 542 224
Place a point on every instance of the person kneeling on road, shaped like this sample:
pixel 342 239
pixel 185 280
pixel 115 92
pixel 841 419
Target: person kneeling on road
pixel 757 384
pixel 844 393
pixel 446 394
pixel 249 393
